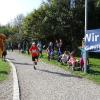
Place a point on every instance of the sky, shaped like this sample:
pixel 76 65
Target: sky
pixel 9 9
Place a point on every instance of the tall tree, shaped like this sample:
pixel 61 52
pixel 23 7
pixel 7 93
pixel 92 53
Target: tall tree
pixel 57 20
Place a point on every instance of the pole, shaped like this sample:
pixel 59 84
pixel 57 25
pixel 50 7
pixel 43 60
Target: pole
pixel 85 52
pixel 85 16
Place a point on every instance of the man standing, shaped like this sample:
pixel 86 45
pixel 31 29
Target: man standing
pixel 35 54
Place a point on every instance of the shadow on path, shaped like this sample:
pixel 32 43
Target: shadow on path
pixel 58 73
pixel 10 58
pixel 19 63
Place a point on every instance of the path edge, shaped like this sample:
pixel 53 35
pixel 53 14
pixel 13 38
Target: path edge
pixel 16 95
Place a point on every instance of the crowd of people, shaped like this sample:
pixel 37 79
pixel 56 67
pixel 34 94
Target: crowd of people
pixel 54 48
pixel 64 57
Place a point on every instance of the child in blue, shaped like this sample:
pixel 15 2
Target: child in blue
pixel 50 53
pixel 59 52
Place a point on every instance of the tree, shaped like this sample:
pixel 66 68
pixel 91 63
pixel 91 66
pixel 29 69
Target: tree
pixel 17 23
pixel 97 3
pixel 93 14
pixel 56 19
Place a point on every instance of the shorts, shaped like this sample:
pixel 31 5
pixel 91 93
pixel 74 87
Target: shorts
pixel 34 58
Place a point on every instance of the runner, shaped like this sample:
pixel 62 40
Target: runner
pixel 35 54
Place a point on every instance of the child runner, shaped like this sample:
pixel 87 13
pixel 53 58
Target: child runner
pixel 35 54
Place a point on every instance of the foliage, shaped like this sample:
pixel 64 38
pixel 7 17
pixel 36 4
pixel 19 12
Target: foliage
pixel 6 30
pixel 93 14
pixel 55 20
pixel 4 70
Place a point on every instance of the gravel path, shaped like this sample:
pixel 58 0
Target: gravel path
pixel 6 88
pixel 50 83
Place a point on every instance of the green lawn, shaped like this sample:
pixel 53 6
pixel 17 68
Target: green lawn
pixel 4 70
pixel 93 74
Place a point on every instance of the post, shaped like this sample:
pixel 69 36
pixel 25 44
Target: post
pixel 85 52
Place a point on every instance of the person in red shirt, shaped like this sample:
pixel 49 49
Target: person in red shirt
pixel 35 54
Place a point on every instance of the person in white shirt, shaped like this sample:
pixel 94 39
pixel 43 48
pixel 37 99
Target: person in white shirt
pixel 65 57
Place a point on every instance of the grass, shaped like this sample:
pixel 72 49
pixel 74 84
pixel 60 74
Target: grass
pixel 93 74
pixel 4 70
pixel 53 62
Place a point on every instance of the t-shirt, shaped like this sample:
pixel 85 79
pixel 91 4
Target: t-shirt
pixel 34 51
pixel 72 60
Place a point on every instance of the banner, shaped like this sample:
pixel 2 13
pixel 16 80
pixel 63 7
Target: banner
pixel 92 40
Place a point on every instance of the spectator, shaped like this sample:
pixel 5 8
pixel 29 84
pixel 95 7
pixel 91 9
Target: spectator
pixel 19 47
pixel 65 57
pixel 59 52
pixel 39 45
pixel 73 62
pixel 82 64
pixel 60 47
pixel 50 51
pixel 57 44
pixel 83 53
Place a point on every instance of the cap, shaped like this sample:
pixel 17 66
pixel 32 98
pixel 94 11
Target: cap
pixel 33 43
